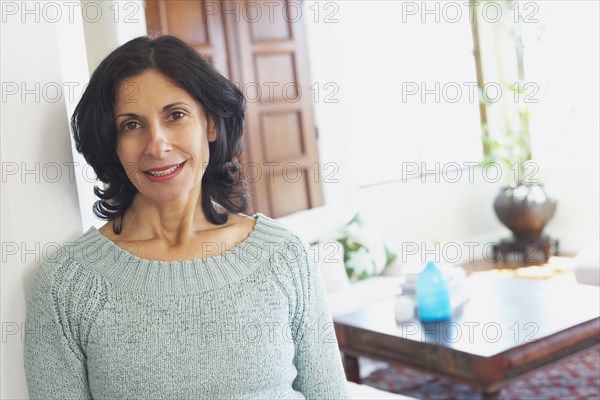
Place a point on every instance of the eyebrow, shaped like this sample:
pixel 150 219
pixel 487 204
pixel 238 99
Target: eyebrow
pixel 165 108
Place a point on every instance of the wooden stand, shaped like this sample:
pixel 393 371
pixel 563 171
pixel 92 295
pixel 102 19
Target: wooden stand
pixel 516 251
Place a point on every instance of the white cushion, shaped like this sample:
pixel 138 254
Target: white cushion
pixel 317 224
pixel 586 265
pixel 330 258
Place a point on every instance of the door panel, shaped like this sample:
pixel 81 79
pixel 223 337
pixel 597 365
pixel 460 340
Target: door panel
pixel 282 135
pixel 190 21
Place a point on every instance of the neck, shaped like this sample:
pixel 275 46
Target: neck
pixel 174 221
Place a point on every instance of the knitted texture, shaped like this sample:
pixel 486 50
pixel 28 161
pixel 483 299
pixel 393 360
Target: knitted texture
pixel 250 322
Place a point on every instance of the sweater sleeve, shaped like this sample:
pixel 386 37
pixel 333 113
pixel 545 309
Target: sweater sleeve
pixel 55 363
pixel 317 356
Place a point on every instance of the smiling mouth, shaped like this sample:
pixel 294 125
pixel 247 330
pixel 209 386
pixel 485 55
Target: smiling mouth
pixel 164 172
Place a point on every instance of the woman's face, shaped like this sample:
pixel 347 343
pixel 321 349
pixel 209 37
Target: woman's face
pixel 163 137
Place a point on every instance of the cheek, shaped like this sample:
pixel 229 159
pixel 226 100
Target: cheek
pixel 127 158
pixel 206 151
pixel 121 149
pixel 201 156
pixel 198 146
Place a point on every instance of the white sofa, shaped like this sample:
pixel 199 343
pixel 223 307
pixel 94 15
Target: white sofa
pixel 587 265
pixel 320 224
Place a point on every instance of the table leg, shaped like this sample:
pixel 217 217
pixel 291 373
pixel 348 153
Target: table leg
pixel 490 394
pixel 351 368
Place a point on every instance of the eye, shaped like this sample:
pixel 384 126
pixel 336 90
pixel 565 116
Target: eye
pixel 175 115
pixel 130 125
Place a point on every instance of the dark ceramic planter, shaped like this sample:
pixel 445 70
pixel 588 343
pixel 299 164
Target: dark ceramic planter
pixel 525 209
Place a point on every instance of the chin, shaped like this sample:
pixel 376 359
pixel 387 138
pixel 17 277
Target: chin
pixel 169 192
pixel 167 197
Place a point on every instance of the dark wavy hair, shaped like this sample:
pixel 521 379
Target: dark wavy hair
pixel 95 131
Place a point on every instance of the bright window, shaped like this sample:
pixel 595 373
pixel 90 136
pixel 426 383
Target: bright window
pixel 408 90
pixel 561 59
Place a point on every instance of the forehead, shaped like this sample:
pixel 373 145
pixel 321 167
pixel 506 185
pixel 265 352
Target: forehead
pixel 149 89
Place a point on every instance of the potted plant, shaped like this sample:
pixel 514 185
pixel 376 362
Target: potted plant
pixel 365 252
pixel 522 204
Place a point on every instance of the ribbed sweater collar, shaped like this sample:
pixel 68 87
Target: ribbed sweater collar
pixel 122 268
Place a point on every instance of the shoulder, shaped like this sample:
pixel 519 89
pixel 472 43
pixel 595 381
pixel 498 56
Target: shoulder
pixel 63 271
pixel 65 296
pixel 241 225
pixel 271 230
pixel 89 246
pixel 64 284
pixel 290 254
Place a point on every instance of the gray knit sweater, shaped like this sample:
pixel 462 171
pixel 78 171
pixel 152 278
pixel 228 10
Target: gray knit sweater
pixel 251 322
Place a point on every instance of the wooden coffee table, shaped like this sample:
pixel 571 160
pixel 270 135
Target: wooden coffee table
pixel 509 327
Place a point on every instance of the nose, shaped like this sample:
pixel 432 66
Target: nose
pixel 158 144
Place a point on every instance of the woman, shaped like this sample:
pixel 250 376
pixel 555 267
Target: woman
pixel 178 295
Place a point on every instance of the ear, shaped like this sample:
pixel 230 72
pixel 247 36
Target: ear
pixel 211 129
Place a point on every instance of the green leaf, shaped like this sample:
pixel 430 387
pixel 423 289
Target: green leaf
pixel 356 220
pixel 390 255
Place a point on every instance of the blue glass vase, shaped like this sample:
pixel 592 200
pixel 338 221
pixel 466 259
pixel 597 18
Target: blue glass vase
pixel 433 296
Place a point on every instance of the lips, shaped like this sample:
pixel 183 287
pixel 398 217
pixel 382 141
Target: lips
pixel 164 171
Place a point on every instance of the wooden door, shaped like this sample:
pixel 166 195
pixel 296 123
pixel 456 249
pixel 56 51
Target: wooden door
pixel 261 47
pixel 191 21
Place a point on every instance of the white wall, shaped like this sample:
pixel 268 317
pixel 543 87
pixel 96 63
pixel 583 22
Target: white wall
pixel 37 211
pixel 43 69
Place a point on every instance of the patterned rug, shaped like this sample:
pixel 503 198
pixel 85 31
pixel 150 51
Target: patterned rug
pixel 575 378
